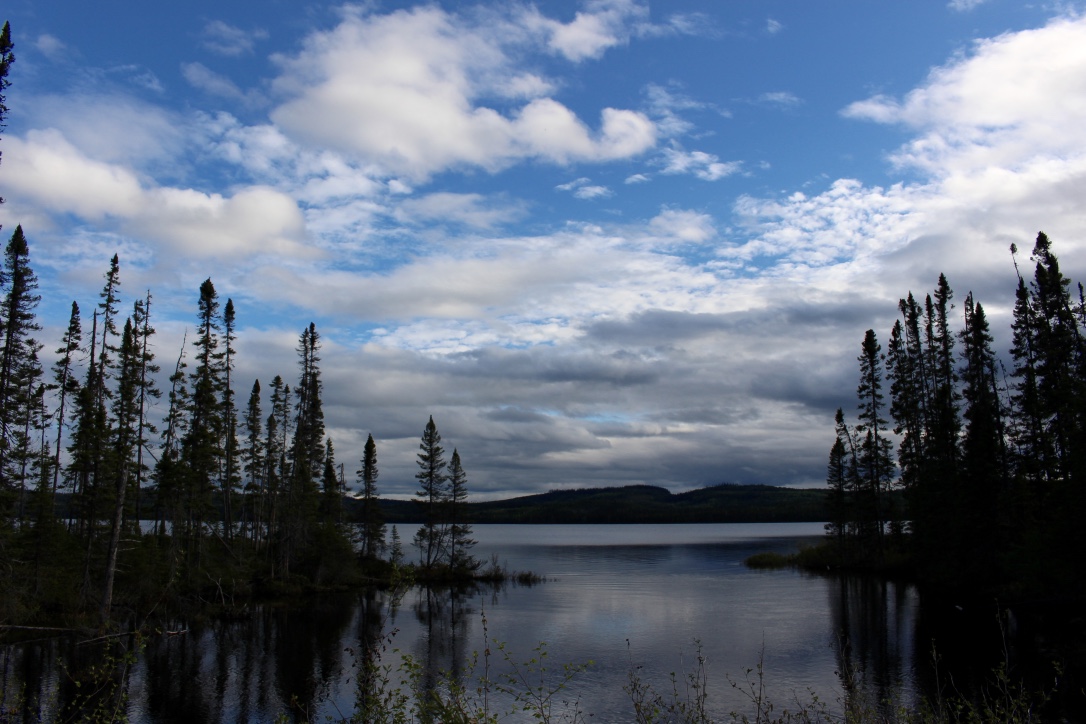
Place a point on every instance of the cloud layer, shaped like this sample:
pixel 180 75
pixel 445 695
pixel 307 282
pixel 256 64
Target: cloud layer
pixel 479 242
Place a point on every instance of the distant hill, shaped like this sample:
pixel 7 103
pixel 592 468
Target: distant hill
pixel 640 504
pixel 627 504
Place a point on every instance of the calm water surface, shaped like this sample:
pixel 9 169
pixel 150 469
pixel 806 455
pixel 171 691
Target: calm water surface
pixel 625 597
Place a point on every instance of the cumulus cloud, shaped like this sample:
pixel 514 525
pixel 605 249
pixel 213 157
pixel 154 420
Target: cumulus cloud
pixel 48 170
pixel 602 25
pixel 403 90
pixel 1016 97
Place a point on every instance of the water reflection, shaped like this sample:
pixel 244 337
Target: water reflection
pixel 875 622
pixel 623 605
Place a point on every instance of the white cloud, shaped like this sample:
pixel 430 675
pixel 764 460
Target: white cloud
pixel 773 26
pixel 683 225
pixel 783 99
pixel 1017 97
pixel 705 166
pixel 200 76
pixel 637 178
pixel 46 169
pixel 472 210
pixel 604 24
pixel 582 188
pixel 51 47
pixel 964 5
pixel 593 192
pixel 225 39
pixel 401 90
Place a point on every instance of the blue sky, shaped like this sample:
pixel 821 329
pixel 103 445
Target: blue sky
pixel 600 242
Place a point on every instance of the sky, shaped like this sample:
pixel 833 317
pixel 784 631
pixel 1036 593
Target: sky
pixel 601 243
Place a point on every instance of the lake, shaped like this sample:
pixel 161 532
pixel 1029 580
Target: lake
pixel 642 598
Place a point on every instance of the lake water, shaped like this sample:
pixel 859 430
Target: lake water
pixel 643 598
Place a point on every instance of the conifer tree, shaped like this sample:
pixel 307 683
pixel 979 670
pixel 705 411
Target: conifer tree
pixel 146 369
pixel 431 494
pixel 201 448
pixel 125 419
pixel 841 479
pixel 874 458
pixel 984 476
pixel 67 385
pixel 373 527
pixel 252 460
pixel 231 477
pixel 460 540
pixel 331 494
pixel 7 57
pixel 306 452
pixel 17 323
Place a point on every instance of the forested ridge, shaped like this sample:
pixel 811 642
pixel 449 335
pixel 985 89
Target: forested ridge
pixel 988 451
pixel 642 504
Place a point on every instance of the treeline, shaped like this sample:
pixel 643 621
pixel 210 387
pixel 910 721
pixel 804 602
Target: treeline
pixel 991 456
pixel 230 491
pixel 248 492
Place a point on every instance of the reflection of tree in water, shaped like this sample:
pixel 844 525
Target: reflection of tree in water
pixel 445 614
pixel 26 677
pixel 173 685
pixel 307 654
pixel 873 621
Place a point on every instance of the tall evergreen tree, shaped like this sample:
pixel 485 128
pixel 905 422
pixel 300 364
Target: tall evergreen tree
pixel 874 458
pixel 841 471
pixel 372 524
pixel 252 460
pixel 125 424
pixel 201 449
pixel 431 494
pixel 18 323
pixel 7 57
pixel 307 450
pixel 984 489
pixel 231 476
pixel 460 540
pixel 67 385
pixel 146 369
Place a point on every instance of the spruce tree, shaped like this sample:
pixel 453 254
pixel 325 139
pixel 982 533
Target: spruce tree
pixel 67 386
pixel 874 458
pixel 18 323
pixel 307 452
pixel 201 448
pixel 7 57
pixel 984 475
pixel 231 478
pixel 431 495
pixel 460 540
pixel 841 481
pixel 372 524
pixel 146 369
pixel 252 460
